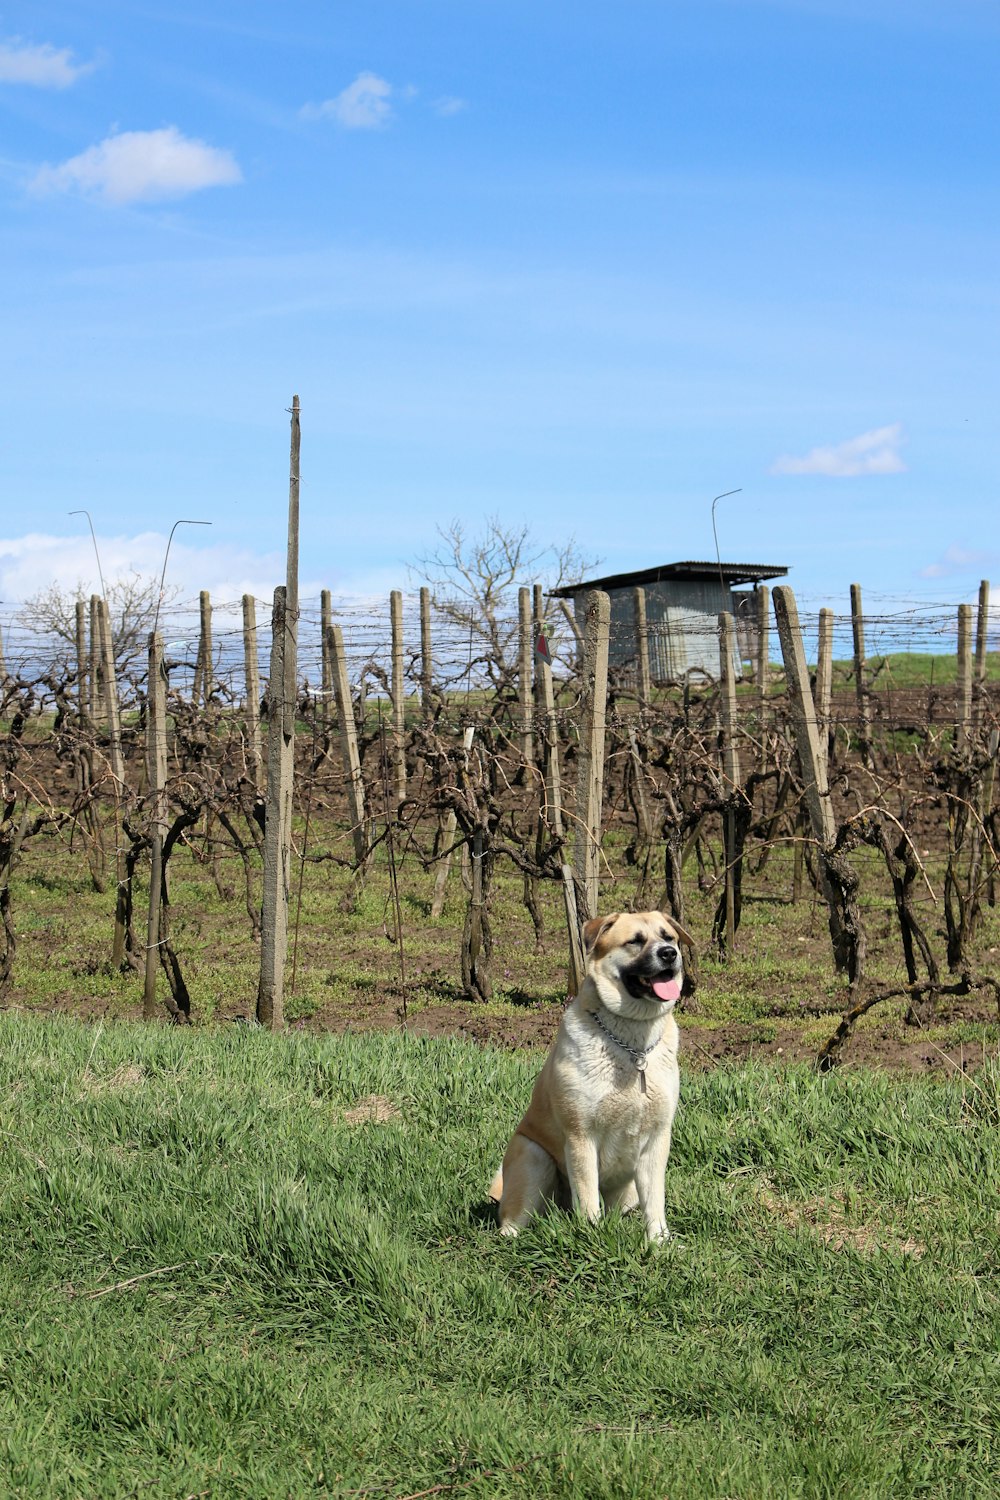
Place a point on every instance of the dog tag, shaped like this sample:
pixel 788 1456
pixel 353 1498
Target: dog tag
pixel 640 1062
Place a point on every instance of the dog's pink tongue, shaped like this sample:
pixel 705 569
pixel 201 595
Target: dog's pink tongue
pixel 666 989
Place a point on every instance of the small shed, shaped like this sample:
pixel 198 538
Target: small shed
pixel 683 604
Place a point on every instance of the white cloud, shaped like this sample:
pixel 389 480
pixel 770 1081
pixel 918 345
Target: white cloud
pixel 141 166
pixel 449 105
pixel 363 105
pixel 957 561
pixel 36 560
pixel 33 562
pixel 42 66
pixel 875 452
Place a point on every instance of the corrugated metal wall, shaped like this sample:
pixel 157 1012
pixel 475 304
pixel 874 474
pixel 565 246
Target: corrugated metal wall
pixel 682 618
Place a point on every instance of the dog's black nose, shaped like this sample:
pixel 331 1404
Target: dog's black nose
pixel 667 953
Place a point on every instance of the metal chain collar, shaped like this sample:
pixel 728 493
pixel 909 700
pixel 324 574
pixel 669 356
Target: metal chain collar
pixel 639 1055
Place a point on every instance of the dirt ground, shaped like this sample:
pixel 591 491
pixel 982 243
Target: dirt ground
pixel 702 1047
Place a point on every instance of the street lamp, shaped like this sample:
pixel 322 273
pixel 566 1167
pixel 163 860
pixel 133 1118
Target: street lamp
pixel 718 559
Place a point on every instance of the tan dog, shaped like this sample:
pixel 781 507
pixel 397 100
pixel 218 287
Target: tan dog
pixel 603 1105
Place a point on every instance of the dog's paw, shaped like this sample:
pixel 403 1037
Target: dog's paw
pixel 658 1234
pixel 509 1231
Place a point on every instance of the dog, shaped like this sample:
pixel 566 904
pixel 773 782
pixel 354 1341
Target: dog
pixel 599 1121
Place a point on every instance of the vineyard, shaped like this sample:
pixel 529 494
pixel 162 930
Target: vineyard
pixel 446 805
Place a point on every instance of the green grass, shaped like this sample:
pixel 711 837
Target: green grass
pixel 326 1308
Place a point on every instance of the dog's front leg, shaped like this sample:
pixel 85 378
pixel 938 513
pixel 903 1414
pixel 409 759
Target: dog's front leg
pixel 650 1183
pixel 583 1175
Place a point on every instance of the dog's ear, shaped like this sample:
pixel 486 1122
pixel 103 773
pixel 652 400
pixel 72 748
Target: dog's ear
pixel 681 932
pixel 593 929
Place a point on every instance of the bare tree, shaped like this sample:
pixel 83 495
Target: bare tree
pixel 132 604
pixel 474 583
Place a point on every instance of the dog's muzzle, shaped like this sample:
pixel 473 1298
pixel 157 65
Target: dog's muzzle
pixel 655 975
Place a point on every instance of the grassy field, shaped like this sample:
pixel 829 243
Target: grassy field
pixel 244 1265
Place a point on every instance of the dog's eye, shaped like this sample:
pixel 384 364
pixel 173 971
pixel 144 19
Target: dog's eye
pixel 637 942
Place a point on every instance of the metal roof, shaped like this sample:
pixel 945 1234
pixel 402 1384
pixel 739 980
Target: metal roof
pixel 679 571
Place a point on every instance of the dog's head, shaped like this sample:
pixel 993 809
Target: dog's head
pixel 634 960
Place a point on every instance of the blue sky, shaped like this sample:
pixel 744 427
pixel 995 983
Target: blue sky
pixel 582 266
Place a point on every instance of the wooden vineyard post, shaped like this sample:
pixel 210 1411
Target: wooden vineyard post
pixel 251 677
pixel 326 673
pixel 156 771
pixel 730 768
pixel 280 764
pixel 824 685
pixel 277 875
pixel 816 788
pixel 398 691
pixel 349 746
pixel 552 808
pixel 448 838
pixel 860 674
pixel 110 692
pixel 644 684
pixel 590 778
pixel 95 657
pixel 963 726
pixel 569 616
pixel 291 653
pixel 763 645
pixel 117 763
pixel 82 697
pixel 426 656
pixel 203 673
pixel 644 825
pixel 524 674
pixel 982 630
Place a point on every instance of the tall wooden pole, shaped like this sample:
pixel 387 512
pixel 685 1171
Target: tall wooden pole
pixel 280 763
pixel 292 576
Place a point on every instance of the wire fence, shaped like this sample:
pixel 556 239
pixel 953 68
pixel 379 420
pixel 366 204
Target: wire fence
pixel 892 626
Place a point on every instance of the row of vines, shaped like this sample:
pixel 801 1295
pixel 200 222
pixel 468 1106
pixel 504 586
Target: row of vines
pixel 701 782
